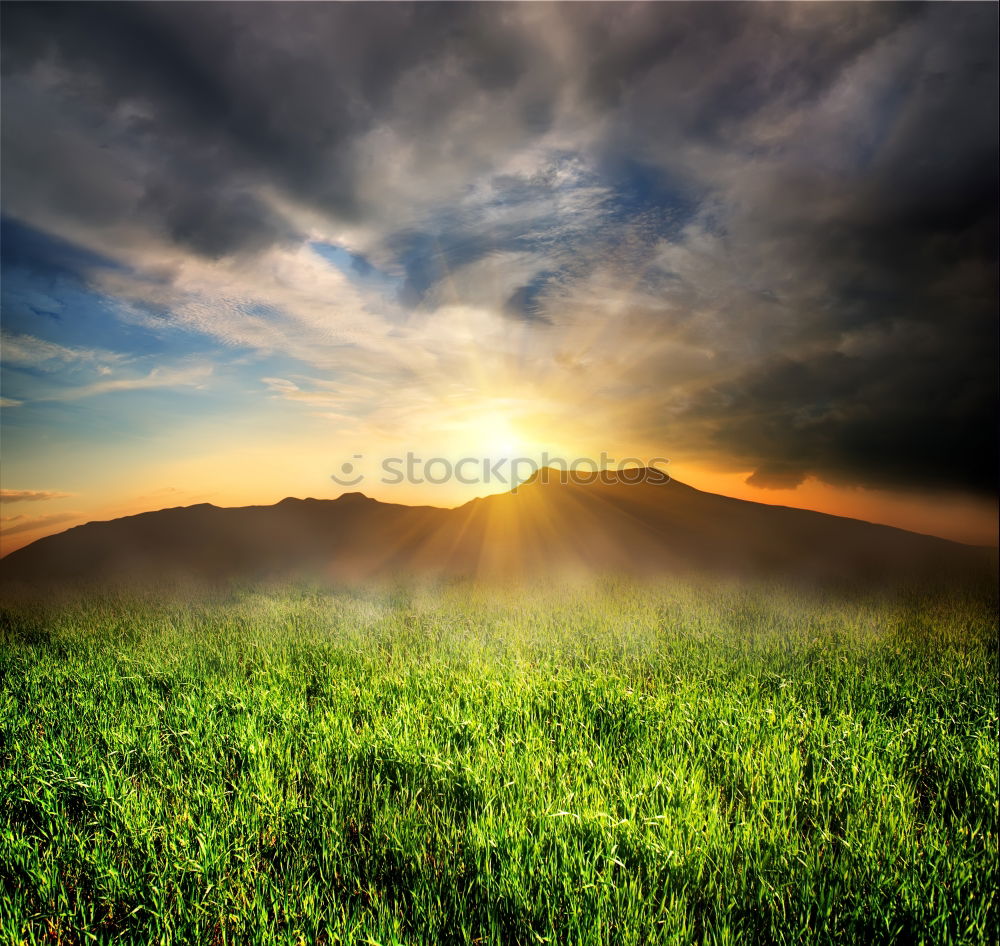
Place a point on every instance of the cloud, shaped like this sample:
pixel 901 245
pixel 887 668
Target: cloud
pixel 9 402
pixel 33 523
pixel 774 476
pixel 30 495
pixel 190 376
pixel 289 390
pixel 47 355
pixel 247 99
pixel 763 235
pixel 70 364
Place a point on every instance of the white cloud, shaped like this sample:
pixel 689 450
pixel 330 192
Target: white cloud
pixel 30 495
pixel 40 353
pixel 190 376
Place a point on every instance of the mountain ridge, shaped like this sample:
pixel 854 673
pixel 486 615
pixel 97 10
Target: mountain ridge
pixel 594 523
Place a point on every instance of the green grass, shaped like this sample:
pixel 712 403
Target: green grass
pixel 612 764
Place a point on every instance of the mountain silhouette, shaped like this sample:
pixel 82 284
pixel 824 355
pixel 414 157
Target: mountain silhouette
pixel 630 522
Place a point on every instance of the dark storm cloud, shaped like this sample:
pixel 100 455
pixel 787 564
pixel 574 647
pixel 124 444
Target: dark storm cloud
pixel 883 418
pixel 900 275
pixel 810 189
pixel 229 97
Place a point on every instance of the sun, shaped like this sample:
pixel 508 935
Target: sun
pixel 511 435
pixel 499 438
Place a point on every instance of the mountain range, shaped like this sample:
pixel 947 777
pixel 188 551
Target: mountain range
pixel 556 523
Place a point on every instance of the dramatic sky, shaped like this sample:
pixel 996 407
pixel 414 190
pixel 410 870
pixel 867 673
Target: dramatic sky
pixel 245 243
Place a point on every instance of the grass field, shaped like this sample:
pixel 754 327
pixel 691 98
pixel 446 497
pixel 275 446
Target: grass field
pixel 612 764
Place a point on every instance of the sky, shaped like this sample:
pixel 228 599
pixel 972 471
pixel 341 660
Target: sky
pixel 245 244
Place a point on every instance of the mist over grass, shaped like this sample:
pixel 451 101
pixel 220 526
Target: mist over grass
pixel 612 762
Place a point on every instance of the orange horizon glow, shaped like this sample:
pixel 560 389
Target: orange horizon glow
pixel 240 469
pixel 960 518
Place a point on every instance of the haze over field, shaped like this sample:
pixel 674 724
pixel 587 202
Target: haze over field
pixel 243 243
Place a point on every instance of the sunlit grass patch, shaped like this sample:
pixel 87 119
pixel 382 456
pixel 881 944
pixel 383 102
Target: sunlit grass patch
pixel 618 763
